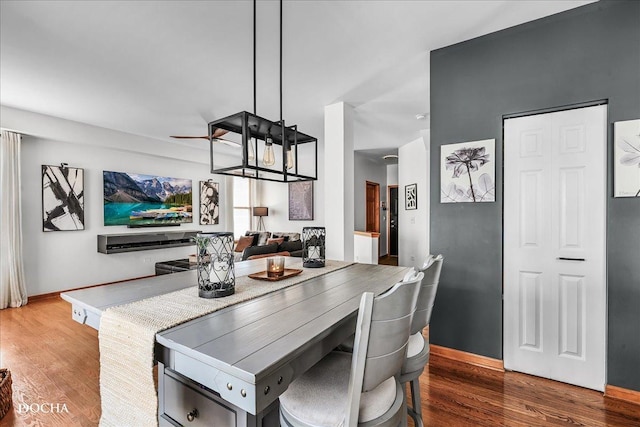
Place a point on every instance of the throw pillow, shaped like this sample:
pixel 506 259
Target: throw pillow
pixel 262 236
pixel 256 237
pixel 287 235
pixel 278 240
pixel 280 236
pixel 243 243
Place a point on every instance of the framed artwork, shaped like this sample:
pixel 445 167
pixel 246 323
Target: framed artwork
pixel 626 164
pixel 467 172
pixel 209 203
pixel 62 198
pixel 301 201
pixel 411 197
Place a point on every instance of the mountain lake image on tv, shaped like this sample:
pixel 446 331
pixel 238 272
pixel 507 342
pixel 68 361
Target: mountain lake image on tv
pixel 145 200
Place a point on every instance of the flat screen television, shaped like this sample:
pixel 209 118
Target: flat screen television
pixel 146 200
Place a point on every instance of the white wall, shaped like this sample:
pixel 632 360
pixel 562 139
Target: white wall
pixel 392 175
pixel 365 249
pixel 413 225
pixel 275 196
pixel 367 170
pixel 56 261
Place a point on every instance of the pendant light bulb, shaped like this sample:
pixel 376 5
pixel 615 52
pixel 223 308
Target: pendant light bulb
pixel 269 158
pixel 251 154
pixel 290 159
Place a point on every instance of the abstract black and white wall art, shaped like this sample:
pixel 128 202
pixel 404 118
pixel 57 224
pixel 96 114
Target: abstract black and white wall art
pixel 209 203
pixel 626 152
pixel 467 172
pixel 62 198
pixel 301 200
pixel 411 197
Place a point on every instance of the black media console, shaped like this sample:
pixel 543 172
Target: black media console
pixel 174 266
pixel 116 243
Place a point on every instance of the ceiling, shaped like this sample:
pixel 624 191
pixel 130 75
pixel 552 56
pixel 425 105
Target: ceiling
pixel 160 68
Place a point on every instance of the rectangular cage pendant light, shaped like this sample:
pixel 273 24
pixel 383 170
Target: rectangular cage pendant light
pixel 258 148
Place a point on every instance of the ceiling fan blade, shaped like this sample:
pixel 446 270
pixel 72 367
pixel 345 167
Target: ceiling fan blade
pixel 220 140
pixel 216 135
pixel 188 137
pixel 219 132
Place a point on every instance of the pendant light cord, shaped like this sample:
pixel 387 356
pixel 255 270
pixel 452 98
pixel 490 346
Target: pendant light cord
pixel 280 60
pixel 254 60
pixel 254 57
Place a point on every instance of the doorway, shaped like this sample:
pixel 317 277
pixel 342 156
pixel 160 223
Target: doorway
pixel 555 182
pixel 373 207
pixel 392 249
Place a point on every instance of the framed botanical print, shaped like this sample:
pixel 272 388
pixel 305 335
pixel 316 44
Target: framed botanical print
pixel 626 153
pixel 467 172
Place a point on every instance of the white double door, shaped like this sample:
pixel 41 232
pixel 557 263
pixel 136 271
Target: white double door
pixel 554 245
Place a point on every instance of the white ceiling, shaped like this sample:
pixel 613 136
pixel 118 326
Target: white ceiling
pixel 158 68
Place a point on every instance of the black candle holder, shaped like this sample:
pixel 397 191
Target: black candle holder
pixel 313 247
pixel 216 273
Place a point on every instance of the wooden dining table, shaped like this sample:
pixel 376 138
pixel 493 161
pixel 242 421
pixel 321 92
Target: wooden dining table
pixel 229 367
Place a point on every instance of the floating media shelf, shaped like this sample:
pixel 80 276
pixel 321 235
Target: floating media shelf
pixel 116 243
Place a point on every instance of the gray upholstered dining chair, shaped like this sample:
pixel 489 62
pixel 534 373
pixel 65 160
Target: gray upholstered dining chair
pixel 359 388
pixel 418 349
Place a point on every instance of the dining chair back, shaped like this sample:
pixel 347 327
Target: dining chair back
pixel 418 349
pixel 361 387
pixel 383 331
pixel 431 269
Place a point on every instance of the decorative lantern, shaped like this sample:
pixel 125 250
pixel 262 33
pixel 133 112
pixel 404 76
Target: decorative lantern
pixel 313 246
pixel 216 274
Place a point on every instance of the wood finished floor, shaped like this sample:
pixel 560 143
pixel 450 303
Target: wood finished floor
pixel 388 260
pixel 55 360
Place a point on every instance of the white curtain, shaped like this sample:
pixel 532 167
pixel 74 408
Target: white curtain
pixel 13 289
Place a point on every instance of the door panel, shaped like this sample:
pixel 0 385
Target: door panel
pixel 572 316
pixel 571 208
pixel 531 189
pixel 554 245
pixel 393 220
pixel 530 310
pixel 372 207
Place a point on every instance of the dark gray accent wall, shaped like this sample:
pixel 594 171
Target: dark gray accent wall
pixel 585 54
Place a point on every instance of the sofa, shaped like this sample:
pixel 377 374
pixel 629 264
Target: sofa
pixel 264 243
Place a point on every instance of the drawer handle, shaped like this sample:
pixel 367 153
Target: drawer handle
pixel 192 415
pixel 570 259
